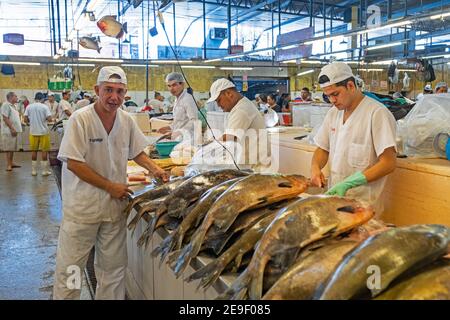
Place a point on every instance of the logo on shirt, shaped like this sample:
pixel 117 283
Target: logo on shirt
pixel 95 140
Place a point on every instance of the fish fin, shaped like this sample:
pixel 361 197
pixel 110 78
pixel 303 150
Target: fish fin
pixel 143 239
pixel 239 287
pixel 348 209
pixel 190 251
pixel 285 184
pixel 125 27
pixel 209 274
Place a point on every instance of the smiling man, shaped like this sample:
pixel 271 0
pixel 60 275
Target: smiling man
pixel 98 141
pixel 357 138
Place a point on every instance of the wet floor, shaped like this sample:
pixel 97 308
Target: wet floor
pixel 30 214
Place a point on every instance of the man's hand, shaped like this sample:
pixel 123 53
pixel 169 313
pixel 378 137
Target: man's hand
pixel 160 173
pixel 317 178
pixel 118 190
pixel 355 180
pixel 164 130
pixel 13 132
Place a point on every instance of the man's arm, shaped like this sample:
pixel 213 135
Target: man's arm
pixel 87 174
pixel 67 112
pixel 386 164
pixel 144 161
pixel 319 160
pixel 26 119
pixel 10 125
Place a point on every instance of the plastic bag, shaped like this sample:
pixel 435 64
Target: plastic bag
pixel 429 117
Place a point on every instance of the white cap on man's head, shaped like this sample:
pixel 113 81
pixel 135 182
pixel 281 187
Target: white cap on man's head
pixel 336 72
pixel 441 84
pixel 218 86
pixel 428 87
pixel 112 74
pixel 50 94
pixel 87 94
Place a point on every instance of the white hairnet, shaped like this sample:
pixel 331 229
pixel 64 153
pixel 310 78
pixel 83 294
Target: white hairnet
pixel 175 76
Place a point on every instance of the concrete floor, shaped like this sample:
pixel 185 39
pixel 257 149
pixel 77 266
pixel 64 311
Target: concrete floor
pixel 30 214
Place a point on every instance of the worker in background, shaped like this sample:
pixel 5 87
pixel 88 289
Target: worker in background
pixel 11 126
pixel 52 104
pixel 84 102
pixel 357 139
pixel 426 90
pixel 157 103
pixel 441 87
pixel 98 142
pixel 185 113
pixel 243 116
pixel 37 116
pixel 305 94
pixel 272 102
pixel 129 102
pixel 65 108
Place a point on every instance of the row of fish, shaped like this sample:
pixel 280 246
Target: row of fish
pixel 285 247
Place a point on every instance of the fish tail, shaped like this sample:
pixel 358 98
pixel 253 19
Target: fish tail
pixel 256 286
pixel 147 233
pixel 209 274
pixel 190 251
pixel 238 289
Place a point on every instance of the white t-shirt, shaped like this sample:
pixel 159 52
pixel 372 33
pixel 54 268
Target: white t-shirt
pixel 8 110
pixel 86 140
pixel 53 108
pixel 244 116
pixel 82 103
pixel 156 105
pixel 38 113
pixel 63 106
pixel 185 113
pixel 357 144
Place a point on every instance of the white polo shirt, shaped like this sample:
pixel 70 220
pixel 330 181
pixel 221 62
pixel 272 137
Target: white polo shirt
pixel 357 144
pixel 8 110
pixel 63 106
pixel 38 113
pixel 86 140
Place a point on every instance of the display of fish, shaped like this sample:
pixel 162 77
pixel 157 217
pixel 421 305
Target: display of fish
pixel 211 272
pixel 254 191
pixel 153 193
pixel 380 259
pixel 296 226
pixel 189 191
pixel 145 206
pixel 111 27
pixel 430 283
pixel 90 43
pixel 302 280
pixel 175 240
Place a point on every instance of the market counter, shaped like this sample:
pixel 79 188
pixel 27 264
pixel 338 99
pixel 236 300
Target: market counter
pixel 416 192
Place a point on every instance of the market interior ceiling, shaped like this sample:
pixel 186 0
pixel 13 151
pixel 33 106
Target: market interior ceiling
pixel 254 24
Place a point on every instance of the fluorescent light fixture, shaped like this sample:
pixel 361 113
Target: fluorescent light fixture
pixel 387 26
pixel 171 61
pixel 354 62
pixel 198 67
pixel 71 64
pixel 289 61
pixel 213 60
pixel 312 61
pixel 305 72
pixel 139 65
pixel 292 46
pixel 440 16
pixel 383 62
pixel 21 63
pixel 443 56
pixel 236 68
pixel 234 56
pixel 386 45
pixel 376 70
pixel 407 70
pixel 101 60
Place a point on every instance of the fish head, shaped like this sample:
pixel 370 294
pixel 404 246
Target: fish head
pixel 350 212
pixel 102 25
pixel 295 182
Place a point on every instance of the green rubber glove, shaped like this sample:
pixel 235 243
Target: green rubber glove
pixel 355 180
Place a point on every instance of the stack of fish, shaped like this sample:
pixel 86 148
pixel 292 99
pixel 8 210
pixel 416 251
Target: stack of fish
pixel 285 247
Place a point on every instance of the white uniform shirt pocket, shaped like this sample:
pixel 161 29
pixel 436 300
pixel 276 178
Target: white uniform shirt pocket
pixel 358 155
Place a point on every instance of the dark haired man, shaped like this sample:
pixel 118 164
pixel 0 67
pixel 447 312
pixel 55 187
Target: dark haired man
pixel 357 138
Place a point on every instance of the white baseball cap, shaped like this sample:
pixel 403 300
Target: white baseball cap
pixel 336 72
pixel 52 94
pixel 441 84
pixel 106 75
pixel 428 87
pixel 87 94
pixel 218 86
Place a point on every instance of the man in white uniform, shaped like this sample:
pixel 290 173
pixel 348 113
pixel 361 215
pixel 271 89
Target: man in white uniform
pixel 185 113
pixel 357 138
pixel 245 123
pixel 52 105
pixel 11 127
pixel 157 103
pixel 37 114
pixel 65 108
pixel 99 140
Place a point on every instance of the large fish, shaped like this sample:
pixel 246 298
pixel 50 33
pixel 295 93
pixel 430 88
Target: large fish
pixel 90 43
pixel 253 191
pixel 431 283
pixel 175 240
pixel 302 280
pixel 211 272
pixel 153 193
pixel 111 27
pixel 380 259
pixel 189 191
pixel 145 206
pixel 296 226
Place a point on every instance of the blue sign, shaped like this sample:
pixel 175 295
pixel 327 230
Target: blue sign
pixel 13 38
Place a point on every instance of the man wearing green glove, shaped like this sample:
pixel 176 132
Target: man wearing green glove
pixel 357 139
